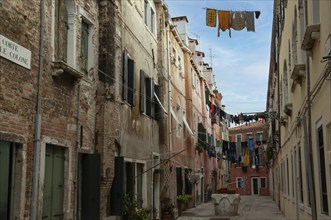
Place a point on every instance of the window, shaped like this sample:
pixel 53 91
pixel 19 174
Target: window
pixel 316 11
pixel 248 136
pixel 174 56
pixel 128 87
pixel 139 186
pixel 294 37
pixel 188 184
pixel 238 137
pixel 148 102
pixel 179 118
pixel 134 181
pixel 60 30
pixel 285 83
pixel 292 179
pixel 145 12
pixel 300 175
pixel 240 182
pixel 283 178
pixel 152 27
pixel 287 177
pixel 259 136
pixel 263 182
pixel 179 181
pixel 180 69
pixel 149 16
pixel 322 169
pixel 84 46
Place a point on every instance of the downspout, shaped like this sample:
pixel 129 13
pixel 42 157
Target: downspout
pixel 78 147
pixel 37 130
pixel 309 147
pixel 309 158
pixel 169 102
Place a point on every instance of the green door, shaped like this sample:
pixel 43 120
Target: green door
pixel 5 177
pixel 53 183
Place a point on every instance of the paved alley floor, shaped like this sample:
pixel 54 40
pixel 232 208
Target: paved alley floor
pixel 250 208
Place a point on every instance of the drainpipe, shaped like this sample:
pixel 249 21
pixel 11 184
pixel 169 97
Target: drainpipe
pixel 310 166
pixel 309 142
pixel 169 102
pixel 78 147
pixel 37 145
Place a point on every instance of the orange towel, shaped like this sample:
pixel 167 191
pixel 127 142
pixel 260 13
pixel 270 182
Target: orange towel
pixel 223 20
pixel 211 17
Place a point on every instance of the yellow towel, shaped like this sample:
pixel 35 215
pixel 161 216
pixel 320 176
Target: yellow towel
pixel 223 20
pixel 211 17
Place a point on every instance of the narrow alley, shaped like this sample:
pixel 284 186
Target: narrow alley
pixel 151 109
pixel 250 208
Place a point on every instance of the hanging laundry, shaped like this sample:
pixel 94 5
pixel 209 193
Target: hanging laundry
pixel 257 14
pixel 224 21
pixel 211 17
pixel 228 119
pixel 250 21
pixel 238 20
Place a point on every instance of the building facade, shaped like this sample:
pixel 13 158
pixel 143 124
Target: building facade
pixel 101 102
pixel 299 91
pixel 247 157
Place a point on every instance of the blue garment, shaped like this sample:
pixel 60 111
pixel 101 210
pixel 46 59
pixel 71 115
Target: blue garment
pixel 251 144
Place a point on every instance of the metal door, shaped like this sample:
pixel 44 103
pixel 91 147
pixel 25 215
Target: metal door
pixel 53 183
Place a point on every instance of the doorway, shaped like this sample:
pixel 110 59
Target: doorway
pixel 255 186
pixel 53 183
pixel 89 186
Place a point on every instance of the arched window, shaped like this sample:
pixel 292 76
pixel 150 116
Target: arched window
pixel 294 37
pixel 285 83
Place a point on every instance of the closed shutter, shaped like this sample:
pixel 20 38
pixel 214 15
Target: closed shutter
pixel 125 76
pixel 157 107
pixel 130 178
pixel 131 87
pixel 5 177
pixel 179 180
pixel 142 91
pixel 149 96
pixel 115 203
pixel 58 183
pixel 90 186
pixel 201 134
pixel 53 183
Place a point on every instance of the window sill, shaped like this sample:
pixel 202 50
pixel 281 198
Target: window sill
pixel 297 75
pixel 312 33
pixel 60 67
pixel 288 108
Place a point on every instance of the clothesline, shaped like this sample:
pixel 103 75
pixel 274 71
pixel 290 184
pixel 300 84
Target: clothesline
pixel 227 20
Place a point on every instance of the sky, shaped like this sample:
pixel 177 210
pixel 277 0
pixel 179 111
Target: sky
pixel 240 63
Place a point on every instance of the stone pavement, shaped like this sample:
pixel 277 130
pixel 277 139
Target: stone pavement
pixel 250 208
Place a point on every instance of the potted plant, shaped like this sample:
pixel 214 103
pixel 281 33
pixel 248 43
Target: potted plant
pixel 133 211
pixel 167 208
pixel 182 202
